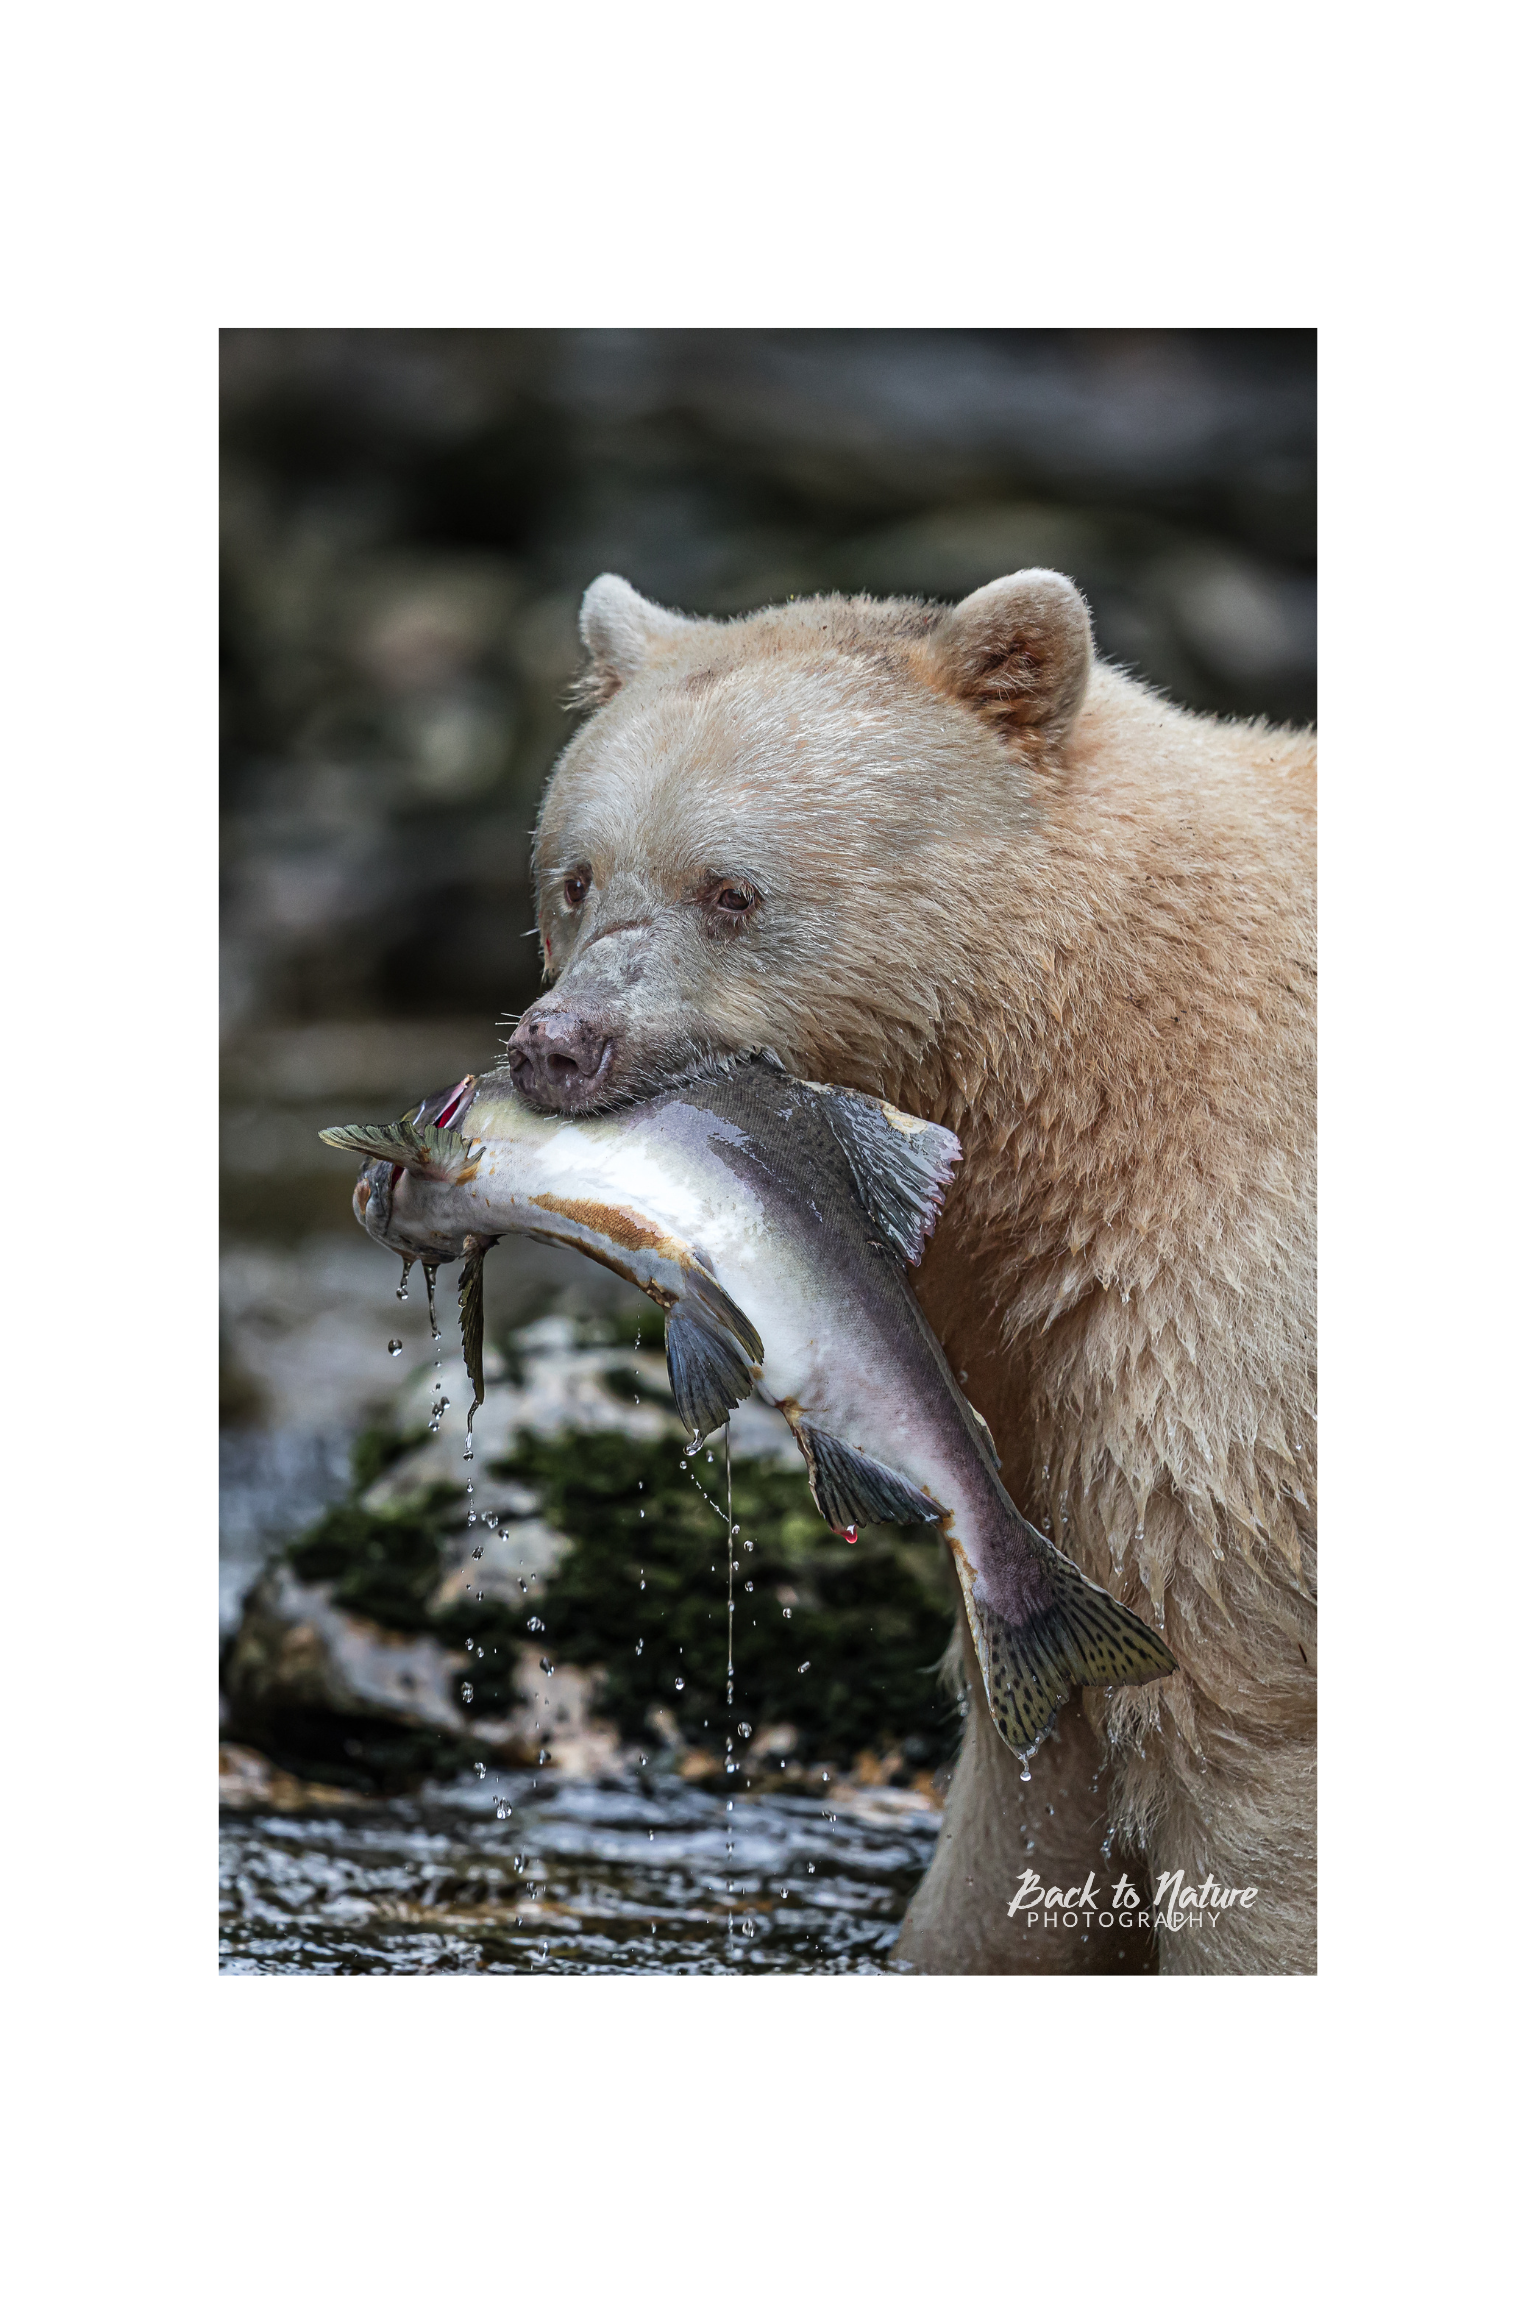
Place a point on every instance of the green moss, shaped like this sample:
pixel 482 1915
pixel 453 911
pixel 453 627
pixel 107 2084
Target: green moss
pixel 641 1595
pixel 375 1450
pixel 496 1630
pixel 644 1329
pixel 869 1621
pixel 385 1566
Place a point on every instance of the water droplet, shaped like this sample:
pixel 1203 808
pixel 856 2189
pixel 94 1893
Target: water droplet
pixel 639 1647
pixel 805 1667
pixel 746 1543
pixel 478 1552
pixel 789 1611
pixel 395 1347
pixel 466 1693
pixel 545 1666
pixel 503 1811
pixel 535 1623
pixel 677 1683
pixel 479 1767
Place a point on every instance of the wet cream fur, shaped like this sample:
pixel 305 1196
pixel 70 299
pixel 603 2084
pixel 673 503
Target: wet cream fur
pixel 1008 887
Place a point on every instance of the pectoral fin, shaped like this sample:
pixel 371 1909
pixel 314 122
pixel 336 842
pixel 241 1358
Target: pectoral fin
pixel 851 1489
pixel 472 1313
pixel 438 1153
pixel 713 1362
pixel 1079 1638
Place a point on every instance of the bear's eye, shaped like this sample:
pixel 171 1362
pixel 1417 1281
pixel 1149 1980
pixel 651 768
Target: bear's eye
pixel 576 886
pixel 725 905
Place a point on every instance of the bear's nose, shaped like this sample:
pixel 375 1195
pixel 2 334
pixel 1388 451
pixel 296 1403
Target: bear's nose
pixel 557 1056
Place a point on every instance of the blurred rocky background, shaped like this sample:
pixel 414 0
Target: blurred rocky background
pixel 409 520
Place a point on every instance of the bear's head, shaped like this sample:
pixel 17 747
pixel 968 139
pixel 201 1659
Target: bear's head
pixel 790 831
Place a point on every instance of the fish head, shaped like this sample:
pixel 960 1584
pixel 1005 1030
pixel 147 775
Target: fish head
pixel 766 835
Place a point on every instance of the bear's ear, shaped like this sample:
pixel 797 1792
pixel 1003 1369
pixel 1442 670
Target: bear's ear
pixel 1018 651
pixel 619 628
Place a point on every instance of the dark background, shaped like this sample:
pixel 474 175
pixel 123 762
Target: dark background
pixel 409 521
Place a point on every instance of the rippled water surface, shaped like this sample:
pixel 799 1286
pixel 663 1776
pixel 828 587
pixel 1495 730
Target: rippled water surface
pixel 517 1873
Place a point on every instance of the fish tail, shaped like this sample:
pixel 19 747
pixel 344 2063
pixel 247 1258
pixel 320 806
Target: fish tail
pixel 1079 1636
pixel 439 1154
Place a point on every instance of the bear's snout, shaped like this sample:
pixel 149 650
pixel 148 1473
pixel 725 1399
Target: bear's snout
pixel 559 1059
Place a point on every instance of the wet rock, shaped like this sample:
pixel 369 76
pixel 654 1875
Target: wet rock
pixel 298 1654
pixel 507 1564
pixel 346 1700
pixel 248 1779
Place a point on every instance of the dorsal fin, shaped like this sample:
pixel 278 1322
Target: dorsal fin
pixel 901 1165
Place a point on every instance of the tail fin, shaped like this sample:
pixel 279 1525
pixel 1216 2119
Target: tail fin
pixel 438 1153
pixel 1080 1637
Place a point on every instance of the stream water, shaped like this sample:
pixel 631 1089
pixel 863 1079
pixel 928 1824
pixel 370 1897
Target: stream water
pixel 513 1873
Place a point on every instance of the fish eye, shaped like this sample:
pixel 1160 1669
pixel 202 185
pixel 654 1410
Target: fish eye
pixel 576 886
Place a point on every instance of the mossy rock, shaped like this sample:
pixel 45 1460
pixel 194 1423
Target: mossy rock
pixel 852 1666
pixel 840 1642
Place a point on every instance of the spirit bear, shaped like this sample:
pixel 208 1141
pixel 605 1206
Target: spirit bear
pixel 948 856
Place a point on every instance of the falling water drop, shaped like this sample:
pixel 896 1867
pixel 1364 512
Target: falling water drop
pixel 395 1347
